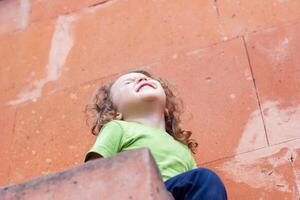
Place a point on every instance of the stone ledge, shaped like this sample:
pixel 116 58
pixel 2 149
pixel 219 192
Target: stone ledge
pixel 128 175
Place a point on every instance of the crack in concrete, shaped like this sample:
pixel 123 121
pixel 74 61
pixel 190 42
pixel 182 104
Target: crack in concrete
pixel 256 90
pixel 98 3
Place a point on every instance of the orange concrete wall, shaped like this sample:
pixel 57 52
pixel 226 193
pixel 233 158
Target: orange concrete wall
pixel 234 63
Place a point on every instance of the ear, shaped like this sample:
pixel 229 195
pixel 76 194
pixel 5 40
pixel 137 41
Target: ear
pixel 119 116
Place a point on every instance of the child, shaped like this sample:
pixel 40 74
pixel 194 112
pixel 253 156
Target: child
pixel 137 111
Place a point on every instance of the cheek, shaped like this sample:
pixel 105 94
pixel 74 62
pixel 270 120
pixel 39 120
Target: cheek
pixel 127 93
pixel 161 95
pixel 114 101
pixel 162 92
pixel 125 96
pixel 117 99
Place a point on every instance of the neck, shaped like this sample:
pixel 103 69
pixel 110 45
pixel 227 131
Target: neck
pixel 154 119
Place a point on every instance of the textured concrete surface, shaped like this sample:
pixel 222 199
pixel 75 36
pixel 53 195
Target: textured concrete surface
pixel 234 64
pixel 267 173
pixel 128 175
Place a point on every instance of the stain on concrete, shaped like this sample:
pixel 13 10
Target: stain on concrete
pixel 282 123
pixel 61 44
pixel 25 8
pixel 278 52
pixel 297 181
pixel 256 176
pixel 286 122
pixel 253 133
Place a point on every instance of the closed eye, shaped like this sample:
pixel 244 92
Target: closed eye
pixel 128 81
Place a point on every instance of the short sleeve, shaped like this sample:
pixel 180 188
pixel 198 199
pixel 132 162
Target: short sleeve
pixel 191 161
pixel 193 164
pixel 108 142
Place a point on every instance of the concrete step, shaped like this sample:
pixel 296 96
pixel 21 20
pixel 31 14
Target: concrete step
pixel 128 175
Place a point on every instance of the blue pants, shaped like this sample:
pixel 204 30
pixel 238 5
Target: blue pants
pixel 197 184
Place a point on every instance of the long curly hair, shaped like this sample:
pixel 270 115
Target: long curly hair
pixel 102 110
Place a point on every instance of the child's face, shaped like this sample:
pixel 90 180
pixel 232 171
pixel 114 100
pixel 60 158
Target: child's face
pixel 133 90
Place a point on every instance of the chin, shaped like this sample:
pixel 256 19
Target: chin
pixel 153 98
pixel 147 97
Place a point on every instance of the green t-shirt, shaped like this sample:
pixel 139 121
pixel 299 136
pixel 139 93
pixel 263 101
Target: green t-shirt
pixel 171 156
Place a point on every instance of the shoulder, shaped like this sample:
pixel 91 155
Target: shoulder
pixel 122 124
pixel 118 124
pixel 113 125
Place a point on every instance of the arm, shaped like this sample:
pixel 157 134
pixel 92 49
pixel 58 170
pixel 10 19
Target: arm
pixel 108 142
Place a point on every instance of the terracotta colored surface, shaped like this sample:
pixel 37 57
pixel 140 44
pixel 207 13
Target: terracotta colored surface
pixel 55 53
pixel 274 56
pixel 113 178
pixel 14 15
pixel 51 134
pixel 87 45
pixel 7 122
pixel 25 66
pixel 263 174
pixel 43 9
pixel 148 34
pixel 240 17
pixel 296 168
pixel 216 86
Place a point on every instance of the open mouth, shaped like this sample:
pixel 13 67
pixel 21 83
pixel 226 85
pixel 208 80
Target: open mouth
pixel 143 85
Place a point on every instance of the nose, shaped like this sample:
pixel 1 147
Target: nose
pixel 141 79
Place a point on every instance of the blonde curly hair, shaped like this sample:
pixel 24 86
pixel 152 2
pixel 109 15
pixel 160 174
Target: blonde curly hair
pixel 102 110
